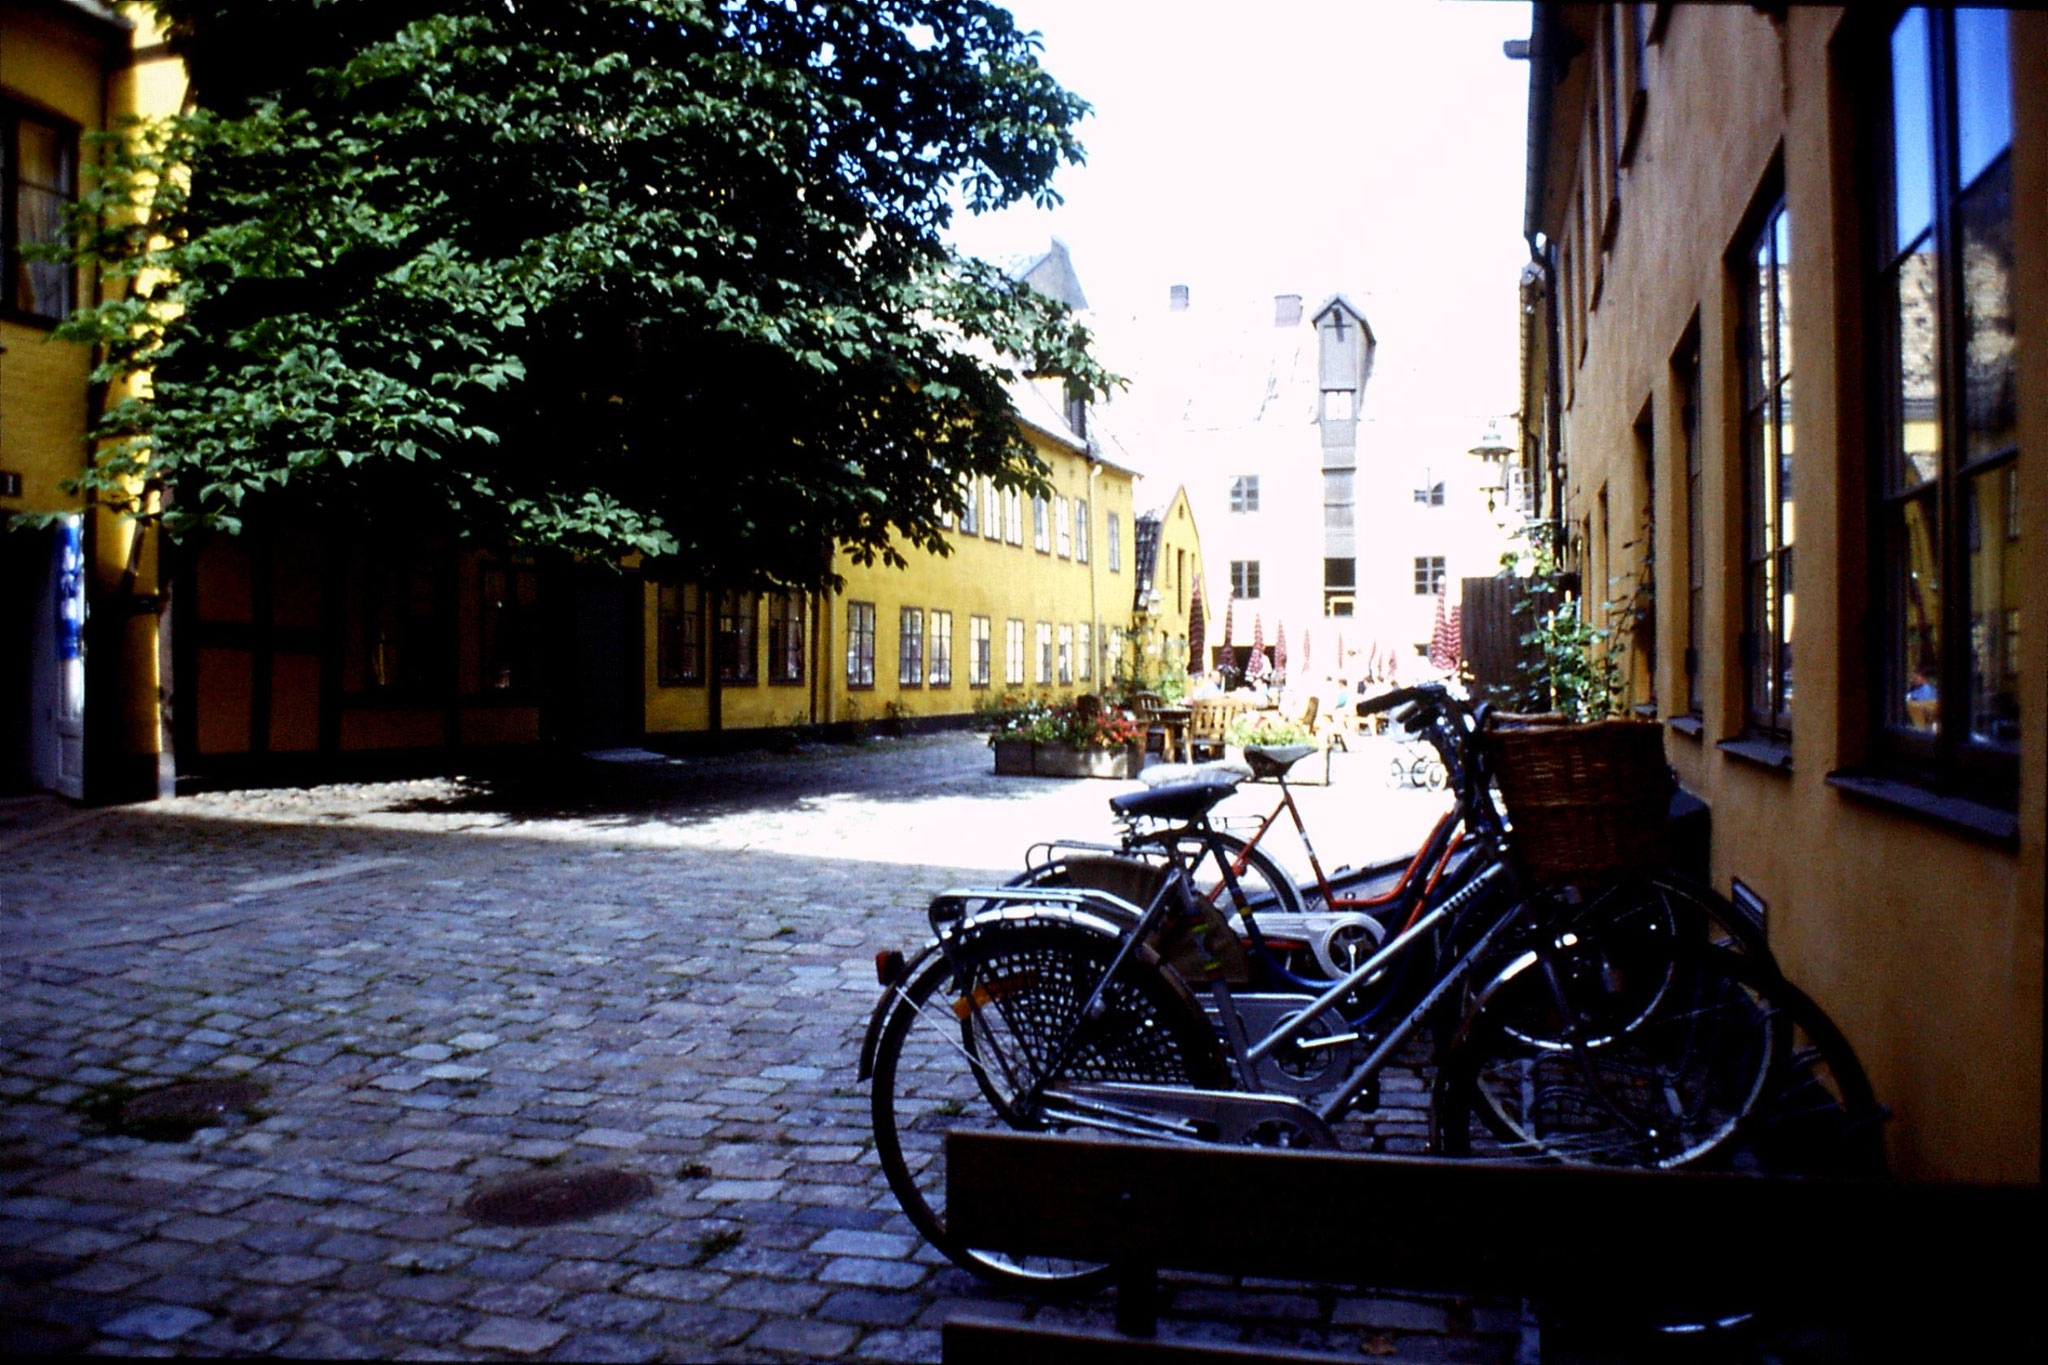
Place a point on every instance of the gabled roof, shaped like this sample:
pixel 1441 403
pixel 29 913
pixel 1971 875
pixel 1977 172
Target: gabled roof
pixel 1339 302
pixel 1051 273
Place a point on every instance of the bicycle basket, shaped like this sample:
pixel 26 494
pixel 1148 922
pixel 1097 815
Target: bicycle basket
pixel 1582 799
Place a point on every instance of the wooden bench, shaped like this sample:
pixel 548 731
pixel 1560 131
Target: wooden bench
pixel 1605 1251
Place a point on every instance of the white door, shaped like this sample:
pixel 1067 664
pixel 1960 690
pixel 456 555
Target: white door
pixel 67 710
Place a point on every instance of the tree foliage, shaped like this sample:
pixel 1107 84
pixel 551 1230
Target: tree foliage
pixel 588 276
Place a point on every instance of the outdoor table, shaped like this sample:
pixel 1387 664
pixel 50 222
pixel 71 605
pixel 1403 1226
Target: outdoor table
pixel 1173 724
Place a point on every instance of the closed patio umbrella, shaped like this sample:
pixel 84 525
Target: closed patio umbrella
pixel 1198 632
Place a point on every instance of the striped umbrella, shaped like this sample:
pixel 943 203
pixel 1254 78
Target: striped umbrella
pixel 1280 647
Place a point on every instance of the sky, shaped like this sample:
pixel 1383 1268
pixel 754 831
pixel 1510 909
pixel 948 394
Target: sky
pixel 1373 148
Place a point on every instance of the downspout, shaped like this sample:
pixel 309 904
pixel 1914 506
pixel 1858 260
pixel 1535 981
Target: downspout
pixel 1094 599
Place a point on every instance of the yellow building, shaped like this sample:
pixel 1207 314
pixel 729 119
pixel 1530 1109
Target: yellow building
pixel 79 604
pixel 1171 588
pixel 1790 282
pixel 1030 600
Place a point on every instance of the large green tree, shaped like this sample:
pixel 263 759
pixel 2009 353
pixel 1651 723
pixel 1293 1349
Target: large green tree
pixel 580 276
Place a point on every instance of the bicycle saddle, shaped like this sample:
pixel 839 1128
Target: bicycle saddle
pixel 1181 801
pixel 1271 760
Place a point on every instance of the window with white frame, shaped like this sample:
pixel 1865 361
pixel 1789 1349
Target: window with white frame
pixel 1013 516
pixel 1013 651
pixel 1244 578
pixel 1244 493
pixel 910 648
pixel 1044 674
pixel 980 666
pixel 1081 536
pixel 1429 575
pixel 1084 651
pixel 1041 534
pixel 939 645
pixel 1113 533
pixel 1066 655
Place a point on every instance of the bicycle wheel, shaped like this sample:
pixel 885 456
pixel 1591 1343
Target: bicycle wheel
pixel 1606 1077
pixel 1397 773
pixel 966 1044
pixel 1625 933
pixel 1263 885
pixel 1436 776
pixel 1817 1115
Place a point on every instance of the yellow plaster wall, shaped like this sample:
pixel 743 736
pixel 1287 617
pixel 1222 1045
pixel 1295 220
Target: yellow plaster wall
pixel 981 577
pixel 1924 944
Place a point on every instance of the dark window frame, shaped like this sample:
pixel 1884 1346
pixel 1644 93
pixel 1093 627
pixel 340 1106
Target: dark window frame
pixel 1429 575
pixel 679 649
pixel 860 646
pixel 737 640
pixel 1950 758
pixel 1766 584
pixel 16 273
pixel 786 639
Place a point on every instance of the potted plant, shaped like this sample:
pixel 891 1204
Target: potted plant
pixel 1074 739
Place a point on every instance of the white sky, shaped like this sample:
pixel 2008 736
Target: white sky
pixel 1374 149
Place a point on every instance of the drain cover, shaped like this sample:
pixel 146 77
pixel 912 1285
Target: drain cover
pixel 542 1197
pixel 183 1108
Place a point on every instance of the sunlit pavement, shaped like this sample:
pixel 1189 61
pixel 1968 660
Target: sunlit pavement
pixel 662 966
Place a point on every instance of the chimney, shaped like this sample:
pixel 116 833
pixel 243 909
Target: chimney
pixel 1177 298
pixel 1287 310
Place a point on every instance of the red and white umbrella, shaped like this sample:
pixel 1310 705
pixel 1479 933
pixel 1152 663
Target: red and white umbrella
pixel 1280 647
pixel 1444 644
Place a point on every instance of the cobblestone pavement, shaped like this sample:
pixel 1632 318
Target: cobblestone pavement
pixel 659 965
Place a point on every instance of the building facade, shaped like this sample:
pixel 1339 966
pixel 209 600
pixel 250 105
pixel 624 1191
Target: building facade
pixel 80 603
pixel 1788 372
pixel 1324 518
pixel 1033 598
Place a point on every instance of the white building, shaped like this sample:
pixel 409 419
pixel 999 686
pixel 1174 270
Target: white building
pixel 1321 514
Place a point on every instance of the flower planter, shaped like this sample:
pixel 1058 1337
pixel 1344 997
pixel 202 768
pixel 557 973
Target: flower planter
pixel 1023 758
pixel 1064 760
pixel 1013 757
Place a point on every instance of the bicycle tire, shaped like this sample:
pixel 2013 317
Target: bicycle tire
pixel 966 1036
pixel 1397 773
pixel 1672 1086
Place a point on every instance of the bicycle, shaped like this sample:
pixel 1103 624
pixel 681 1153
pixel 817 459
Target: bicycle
pixel 1049 1007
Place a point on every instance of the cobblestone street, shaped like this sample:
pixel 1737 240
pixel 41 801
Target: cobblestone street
pixel 663 966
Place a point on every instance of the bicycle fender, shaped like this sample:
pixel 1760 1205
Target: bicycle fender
pixel 980 922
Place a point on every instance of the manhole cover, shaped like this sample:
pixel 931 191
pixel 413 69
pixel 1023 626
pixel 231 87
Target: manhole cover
pixel 543 1197
pixel 181 1109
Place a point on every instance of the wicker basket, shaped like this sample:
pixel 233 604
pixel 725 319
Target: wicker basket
pixel 1582 799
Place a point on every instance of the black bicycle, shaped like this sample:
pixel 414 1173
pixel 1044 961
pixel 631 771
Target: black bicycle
pixel 1048 1007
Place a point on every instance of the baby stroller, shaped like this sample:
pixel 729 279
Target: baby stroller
pixel 1415 764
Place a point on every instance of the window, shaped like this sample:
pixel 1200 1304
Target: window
pixel 1244 578
pixel 405 635
pixel 1947 532
pixel 786 637
pixel 679 635
pixel 509 598
pixel 1339 405
pixel 1013 652
pixel 1688 377
pixel 941 647
pixel 980 666
pixel 1081 536
pixel 1062 529
pixel 1013 516
pixel 1765 339
pixel 1041 536
pixel 991 510
pixel 1431 494
pixel 1244 493
pixel 910 648
pixel 1115 535
pixel 1077 409
pixel 970 510
pixel 1066 655
pixel 1340 587
pixel 860 644
pixel 1084 651
pixel 38 180
pixel 1044 674
pixel 1429 575
pixel 739 615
